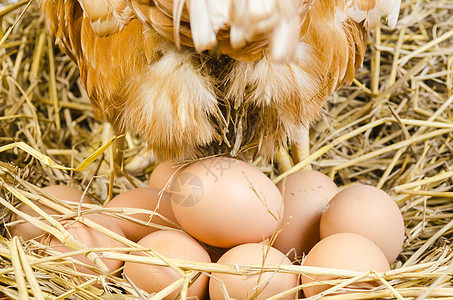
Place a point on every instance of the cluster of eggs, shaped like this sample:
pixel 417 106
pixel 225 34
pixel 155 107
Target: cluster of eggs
pixel 233 214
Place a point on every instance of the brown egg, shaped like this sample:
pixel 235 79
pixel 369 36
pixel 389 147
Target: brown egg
pixel 162 175
pixel 264 285
pixel 367 211
pixel 171 244
pixel 91 238
pixel 67 193
pixel 305 194
pixel 347 251
pixel 143 198
pixel 225 202
pixel 28 231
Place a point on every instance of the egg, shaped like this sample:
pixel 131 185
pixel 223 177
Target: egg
pixel 305 195
pixel 261 285
pixel 162 175
pixel 67 193
pixel 28 231
pixel 225 202
pixel 171 244
pixel 347 251
pixel 143 198
pixel 91 238
pixel 368 211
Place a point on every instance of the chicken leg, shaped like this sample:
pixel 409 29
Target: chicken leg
pixel 301 147
pixel 300 150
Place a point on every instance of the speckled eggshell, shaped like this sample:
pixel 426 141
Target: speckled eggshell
pixel 225 202
pixel 143 198
pixel 163 174
pixel 305 194
pixel 28 231
pixel 91 238
pixel 368 211
pixel 171 244
pixel 241 287
pixel 347 251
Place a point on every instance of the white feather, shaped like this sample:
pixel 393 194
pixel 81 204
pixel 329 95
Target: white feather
pixel 206 18
pixel 219 13
pixel 356 14
pixel 373 18
pixel 393 16
pixel 238 36
pixel 121 10
pixel 101 16
pixel 284 40
pixel 340 15
pixel 389 8
pixel 260 9
pixel 106 27
pixel 202 33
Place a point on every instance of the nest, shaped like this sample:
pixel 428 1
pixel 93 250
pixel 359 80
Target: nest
pixel 392 128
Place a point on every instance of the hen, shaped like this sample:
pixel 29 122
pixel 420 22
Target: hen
pixel 202 77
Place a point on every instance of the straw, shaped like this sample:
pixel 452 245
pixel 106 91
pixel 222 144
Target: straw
pixel 392 128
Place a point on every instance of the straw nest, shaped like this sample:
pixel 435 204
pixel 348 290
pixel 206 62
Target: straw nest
pixel 392 129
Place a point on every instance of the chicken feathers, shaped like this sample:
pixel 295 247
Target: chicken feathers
pixel 203 77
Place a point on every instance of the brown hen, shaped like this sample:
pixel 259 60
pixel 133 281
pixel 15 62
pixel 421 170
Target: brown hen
pixel 203 77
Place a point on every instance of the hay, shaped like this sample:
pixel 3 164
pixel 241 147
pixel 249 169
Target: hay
pixel 391 128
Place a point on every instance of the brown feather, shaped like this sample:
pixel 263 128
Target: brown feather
pixel 229 99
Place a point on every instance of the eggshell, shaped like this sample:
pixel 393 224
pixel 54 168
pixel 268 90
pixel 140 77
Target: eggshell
pixel 162 175
pixel 28 231
pixel 171 244
pixel 67 193
pixel 368 211
pixel 305 195
pixel 347 251
pixel 91 238
pixel 225 202
pixel 242 287
pixel 143 198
